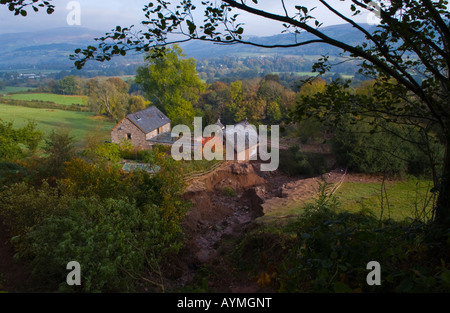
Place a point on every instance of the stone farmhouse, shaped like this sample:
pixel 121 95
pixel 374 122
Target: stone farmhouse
pixel 144 128
pixel 150 126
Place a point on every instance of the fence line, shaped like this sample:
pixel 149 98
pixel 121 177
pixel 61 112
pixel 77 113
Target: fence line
pixel 197 174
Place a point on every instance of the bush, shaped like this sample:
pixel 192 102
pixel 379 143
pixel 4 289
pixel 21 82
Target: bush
pixel 366 151
pixel 11 173
pixel 228 192
pixel 119 227
pixel 24 206
pixel 294 162
pixel 83 179
pixel 18 143
pixel 116 243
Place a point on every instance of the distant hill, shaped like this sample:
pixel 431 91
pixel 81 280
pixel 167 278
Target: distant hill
pixel 50 49
pixel 344 33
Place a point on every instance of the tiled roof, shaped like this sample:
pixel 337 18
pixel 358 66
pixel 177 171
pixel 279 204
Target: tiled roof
pixel 149 119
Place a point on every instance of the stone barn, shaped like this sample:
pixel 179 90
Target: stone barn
pixel 142 128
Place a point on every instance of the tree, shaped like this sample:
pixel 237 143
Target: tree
pixel 67 86
pixel 171 82
pixel 59 149
pixel 279 99
pixel 212 102
pixel 137 103
pixel 18 143
pixel 411 46
pixel 19 6
pixel 313 86
pixel 109 97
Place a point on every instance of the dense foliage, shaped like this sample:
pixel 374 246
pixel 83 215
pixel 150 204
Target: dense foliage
pixel 119 226
pixel 18 143
pixel 384 150
pixel 297 163
pixel 327 249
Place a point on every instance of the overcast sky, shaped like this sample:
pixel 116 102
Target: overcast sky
pixel 104 15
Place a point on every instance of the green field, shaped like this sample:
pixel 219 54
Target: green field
pixel 80 124
pixel 404 198
pixel 59 99
pixel 11 89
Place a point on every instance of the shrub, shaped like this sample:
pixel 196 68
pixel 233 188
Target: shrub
pixel 294 162
pixel 24 206
pixel 18 143
pixel 228 192
pixel 119 227
pixel 83 179
pixel 116 243
pixel 11 173
pixel 366 150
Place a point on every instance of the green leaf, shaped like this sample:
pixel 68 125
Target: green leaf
pixel 191 26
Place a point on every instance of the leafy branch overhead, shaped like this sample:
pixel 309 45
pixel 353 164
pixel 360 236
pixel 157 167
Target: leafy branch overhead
pixel 19 6
pixel 411 35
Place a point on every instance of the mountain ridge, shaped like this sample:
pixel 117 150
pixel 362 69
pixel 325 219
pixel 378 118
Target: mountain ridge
pixel 29 49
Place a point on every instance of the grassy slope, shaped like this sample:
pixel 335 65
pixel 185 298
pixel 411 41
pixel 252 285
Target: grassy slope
pixel 406 198
pixel 60 99
pixel 12 89
pixel 80 123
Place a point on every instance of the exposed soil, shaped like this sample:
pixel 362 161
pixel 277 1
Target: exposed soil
pixel 216 220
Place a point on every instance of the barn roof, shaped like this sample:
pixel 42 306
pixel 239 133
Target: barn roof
pixel 149 119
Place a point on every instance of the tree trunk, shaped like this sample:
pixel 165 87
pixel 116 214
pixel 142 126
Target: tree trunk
pixel 442 213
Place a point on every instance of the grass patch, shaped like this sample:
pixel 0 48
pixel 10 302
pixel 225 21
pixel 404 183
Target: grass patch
pixel 402 199
pixel 14 89
pixel 405 199
pixel 59 99
pixel 81 124
pixel 229 192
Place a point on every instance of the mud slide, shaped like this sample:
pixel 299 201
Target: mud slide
pixel 216 213
pixel 217 216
